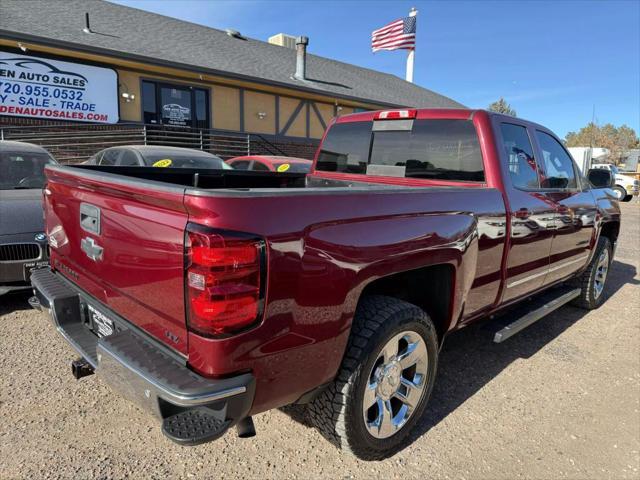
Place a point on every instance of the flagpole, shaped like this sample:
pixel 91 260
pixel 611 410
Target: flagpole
pixel 412 53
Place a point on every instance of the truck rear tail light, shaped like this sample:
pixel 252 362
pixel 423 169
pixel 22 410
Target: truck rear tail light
pixel 225 281
pixel 396 114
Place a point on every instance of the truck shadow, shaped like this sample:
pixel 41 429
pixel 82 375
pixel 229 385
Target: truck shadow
pixel 14 301
pixel 469 359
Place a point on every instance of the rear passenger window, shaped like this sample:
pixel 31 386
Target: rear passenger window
pixel 558 166
pixel 434 149
pixel 523 169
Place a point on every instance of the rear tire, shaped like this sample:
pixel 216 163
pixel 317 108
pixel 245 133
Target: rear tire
pixel 627 198
pixel 593 280
pixel 384 382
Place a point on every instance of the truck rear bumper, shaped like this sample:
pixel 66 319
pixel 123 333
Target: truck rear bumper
pixel 138 367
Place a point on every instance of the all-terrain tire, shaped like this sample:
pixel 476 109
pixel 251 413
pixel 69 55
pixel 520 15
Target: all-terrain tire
pixel 338 411
pixel 593 295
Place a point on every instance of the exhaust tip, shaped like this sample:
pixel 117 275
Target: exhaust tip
pixel 81 368
pixel 246 428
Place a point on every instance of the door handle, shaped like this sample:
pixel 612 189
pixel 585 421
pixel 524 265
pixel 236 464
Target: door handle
pixel 522 213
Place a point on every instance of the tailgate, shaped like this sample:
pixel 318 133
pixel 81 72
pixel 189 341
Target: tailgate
pixel 122 241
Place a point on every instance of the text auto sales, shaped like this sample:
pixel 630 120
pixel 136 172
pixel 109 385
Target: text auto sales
pixel 45 91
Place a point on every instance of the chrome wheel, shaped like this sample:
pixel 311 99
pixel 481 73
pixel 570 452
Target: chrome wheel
pixel 396 384
pixel 601 273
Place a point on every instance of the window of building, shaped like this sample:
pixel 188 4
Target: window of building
pixel 523 169
pixel 175 105
pixel 558 166
pixel 149 109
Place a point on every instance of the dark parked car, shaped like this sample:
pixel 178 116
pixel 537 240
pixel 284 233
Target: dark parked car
pixel 157 156
pixel 271 163
pixel 22 238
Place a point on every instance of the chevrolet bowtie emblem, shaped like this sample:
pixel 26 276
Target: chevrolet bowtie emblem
pixel 91 248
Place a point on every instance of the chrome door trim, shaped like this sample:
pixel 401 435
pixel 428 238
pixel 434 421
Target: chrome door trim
pixel 548 270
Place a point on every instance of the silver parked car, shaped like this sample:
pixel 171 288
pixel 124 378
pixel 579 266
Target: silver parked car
pixel 23 243
pixel 157 156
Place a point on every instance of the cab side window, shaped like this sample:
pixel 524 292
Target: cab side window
pixel 558 166
pixel 523 169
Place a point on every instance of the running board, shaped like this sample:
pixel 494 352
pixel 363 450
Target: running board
pixel 533 316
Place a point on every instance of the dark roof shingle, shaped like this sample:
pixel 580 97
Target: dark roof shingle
pixel 129 32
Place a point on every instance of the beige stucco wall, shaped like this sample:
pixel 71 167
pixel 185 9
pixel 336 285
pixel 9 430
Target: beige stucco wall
pixel 259 103
pixel 299 126
pixel 225 106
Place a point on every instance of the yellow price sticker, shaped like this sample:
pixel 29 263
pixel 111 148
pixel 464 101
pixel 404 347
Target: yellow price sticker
pixel 284 167
pixel 165 162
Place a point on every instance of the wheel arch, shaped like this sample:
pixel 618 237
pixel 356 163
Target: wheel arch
pixel 431 288
pixel 611 230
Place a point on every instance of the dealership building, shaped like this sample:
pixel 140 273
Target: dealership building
pixel 91 64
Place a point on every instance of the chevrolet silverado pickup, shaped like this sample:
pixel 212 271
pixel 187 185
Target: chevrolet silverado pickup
pixel 211 296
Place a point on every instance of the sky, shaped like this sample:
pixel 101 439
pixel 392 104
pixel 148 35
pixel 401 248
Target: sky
pixel 553 61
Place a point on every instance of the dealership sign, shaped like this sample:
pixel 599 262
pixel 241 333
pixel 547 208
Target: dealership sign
pixel 43 88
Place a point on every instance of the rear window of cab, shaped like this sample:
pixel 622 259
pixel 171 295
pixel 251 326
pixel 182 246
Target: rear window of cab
pixel 441 149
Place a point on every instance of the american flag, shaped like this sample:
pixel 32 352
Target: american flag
pixel 398 35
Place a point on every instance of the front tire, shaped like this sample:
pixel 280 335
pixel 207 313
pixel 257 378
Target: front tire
pixel 384 382
pixel 620 192
pixel 593 280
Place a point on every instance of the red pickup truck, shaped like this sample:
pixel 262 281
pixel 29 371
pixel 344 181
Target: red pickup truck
pixel 210 296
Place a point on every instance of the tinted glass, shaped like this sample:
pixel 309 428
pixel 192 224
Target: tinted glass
pixel 149 106
pixel 522 164
pixel 201 108
pixel 110 157
pixel 295 167
pixel 22 170
pixel 346 148
pixel 260 167
pixel 184 160
pixel 128 159
pixel 439 149
pixel 558 166
pixel 242 165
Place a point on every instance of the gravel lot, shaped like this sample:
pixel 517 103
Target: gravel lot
pixel 560 400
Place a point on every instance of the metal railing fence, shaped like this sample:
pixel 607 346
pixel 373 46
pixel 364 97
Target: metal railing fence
pixel 76 143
